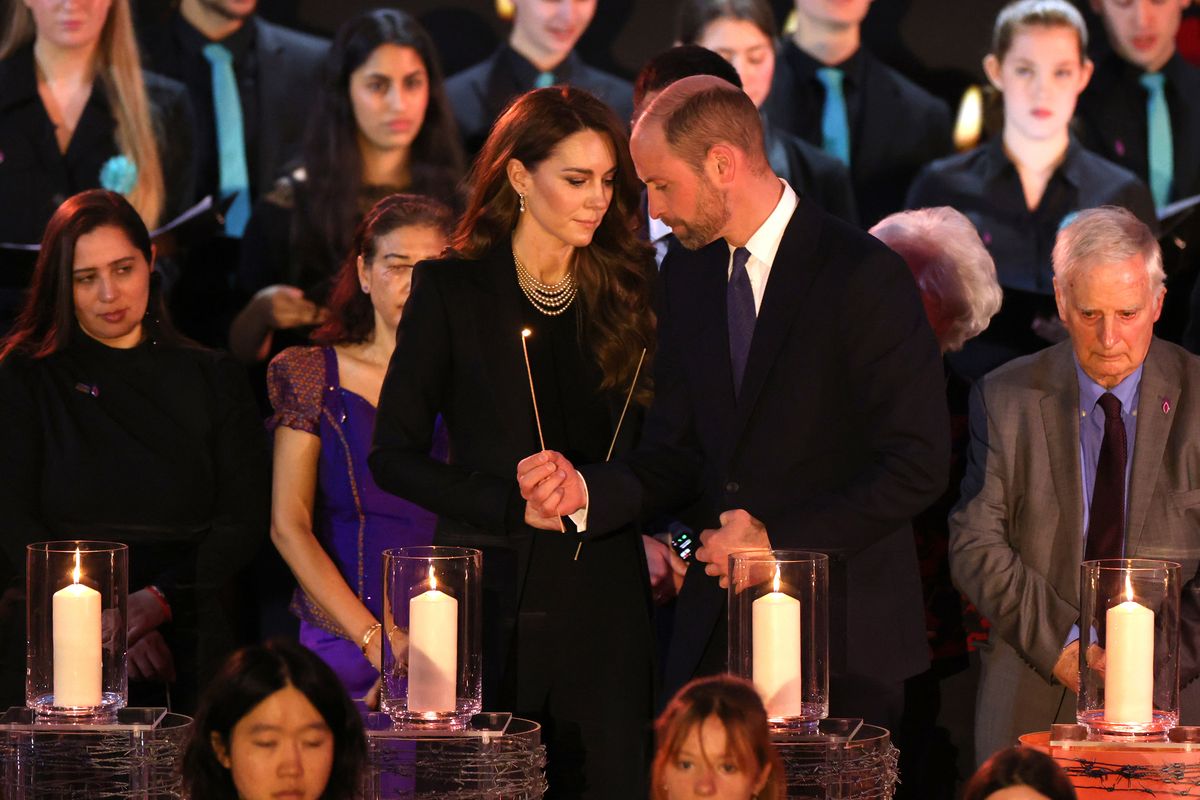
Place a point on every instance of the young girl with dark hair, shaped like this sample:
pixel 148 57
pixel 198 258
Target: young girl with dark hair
pixel 275 722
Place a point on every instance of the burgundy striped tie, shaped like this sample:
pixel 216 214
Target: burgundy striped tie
pixel 1106 521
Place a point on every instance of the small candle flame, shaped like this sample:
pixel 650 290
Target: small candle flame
pixel 777 577
pixel 75 573
pixel 1128 588
pixel 526 333
pixel 432 579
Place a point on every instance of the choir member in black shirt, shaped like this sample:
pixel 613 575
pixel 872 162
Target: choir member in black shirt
pixel 77 112
pixel 381 125
pixel 548 243
pixel 1142 111
pixel 1116 113
pixel 539 52
pixel 274 69
pixel 880 123
pixel 116 428
pixel 743 33
pixel 1020 187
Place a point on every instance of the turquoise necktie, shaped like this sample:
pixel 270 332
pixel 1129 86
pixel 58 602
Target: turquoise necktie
pixel 1161 149
pixel 544 79
pixel 835 125
pixel 231 145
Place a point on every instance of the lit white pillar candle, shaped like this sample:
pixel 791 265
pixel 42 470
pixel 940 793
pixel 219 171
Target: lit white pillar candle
pixel 776 637
pixel 432 650
pixel 1129 662
pixel 78 665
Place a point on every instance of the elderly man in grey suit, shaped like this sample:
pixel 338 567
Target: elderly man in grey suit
pixel 1087 449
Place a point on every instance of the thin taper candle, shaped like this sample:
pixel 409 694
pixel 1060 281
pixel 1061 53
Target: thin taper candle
pixel 525 334
pixel 620 420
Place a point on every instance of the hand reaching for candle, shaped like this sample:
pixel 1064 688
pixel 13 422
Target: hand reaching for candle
pixel 667 570
pixel 738 531
pixel 551 486
pixel 150 659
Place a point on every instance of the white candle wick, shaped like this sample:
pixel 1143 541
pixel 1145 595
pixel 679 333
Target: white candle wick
pixel 776 578
pixel 75 573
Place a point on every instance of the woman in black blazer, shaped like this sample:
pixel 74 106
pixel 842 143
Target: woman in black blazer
pixel 547 244
pixel 77 112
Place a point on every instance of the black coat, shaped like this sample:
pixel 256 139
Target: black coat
pixel 35 177
pixel 284 81
pixel 478 95
pixel 839 437
pixel 581 657
pixel 811 171
pixel 896 127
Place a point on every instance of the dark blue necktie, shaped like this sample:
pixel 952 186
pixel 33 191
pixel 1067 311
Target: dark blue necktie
pixel 739 306
pixel 1106 521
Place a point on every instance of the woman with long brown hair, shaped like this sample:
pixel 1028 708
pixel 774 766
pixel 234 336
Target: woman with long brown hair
pixel 548 244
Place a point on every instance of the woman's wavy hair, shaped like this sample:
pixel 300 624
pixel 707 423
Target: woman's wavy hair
pixel 329 209
pixel 615 272
pixel 47 319
pixel 250 676
pixel 351 314
pixel 120 71
pixel 735 703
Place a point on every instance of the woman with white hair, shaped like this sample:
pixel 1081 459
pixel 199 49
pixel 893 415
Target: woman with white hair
pixel 959 290
pixel 1020 187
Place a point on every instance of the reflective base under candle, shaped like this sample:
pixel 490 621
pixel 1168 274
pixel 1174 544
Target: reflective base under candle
pixel 433 720
pixel 110 703
pixel 807 722
pixel 1156 730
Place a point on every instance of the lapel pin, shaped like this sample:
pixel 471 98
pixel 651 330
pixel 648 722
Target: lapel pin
pixel 1166 406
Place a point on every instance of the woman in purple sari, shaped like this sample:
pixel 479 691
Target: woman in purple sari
pixel 328 518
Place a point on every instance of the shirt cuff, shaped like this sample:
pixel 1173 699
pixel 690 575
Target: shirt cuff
pixel 580 516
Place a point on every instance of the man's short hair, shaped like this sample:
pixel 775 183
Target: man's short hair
pixel 680 62
pixel 702 111
pixel 1105 235
pixel 950 264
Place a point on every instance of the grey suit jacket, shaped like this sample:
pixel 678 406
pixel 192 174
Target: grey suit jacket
pixel 1016 536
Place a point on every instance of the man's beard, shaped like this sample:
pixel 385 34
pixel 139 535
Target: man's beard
pixel 712 215
pixel 218 7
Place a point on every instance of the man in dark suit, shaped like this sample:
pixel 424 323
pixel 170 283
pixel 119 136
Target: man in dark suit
pixel 275 70
pixel 798 401
pixel 833 93
pixel 250 83
pixel 539 52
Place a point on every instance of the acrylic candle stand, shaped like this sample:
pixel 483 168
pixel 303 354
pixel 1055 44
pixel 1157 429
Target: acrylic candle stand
pixel 432 619
pixel 779 632
pixel 1129 648
pixel 76 604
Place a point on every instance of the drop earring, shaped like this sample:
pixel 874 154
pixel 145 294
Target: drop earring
pixel 521 197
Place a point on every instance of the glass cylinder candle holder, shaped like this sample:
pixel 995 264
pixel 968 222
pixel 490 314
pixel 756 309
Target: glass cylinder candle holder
pixel 1129 648
pixel 76 602
pixel 432 653
pixel 779 632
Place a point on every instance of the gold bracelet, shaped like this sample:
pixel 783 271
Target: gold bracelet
pixel 366 639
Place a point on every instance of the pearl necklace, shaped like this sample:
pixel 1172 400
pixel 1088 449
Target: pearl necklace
pixel 551 299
